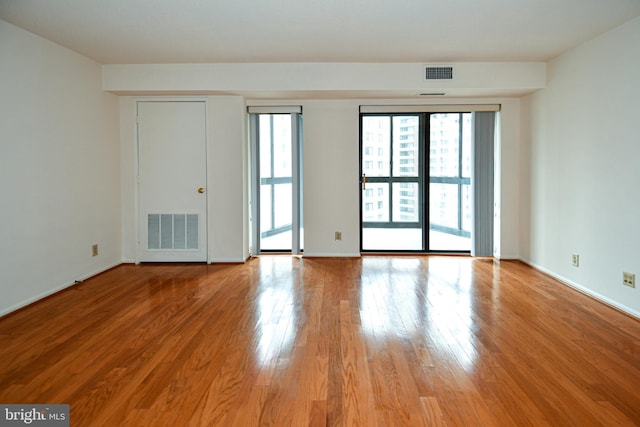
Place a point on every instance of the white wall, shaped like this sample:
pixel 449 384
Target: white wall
pixel 580 168
pixel 128 180
pixel 59 169
pixel 507 179
pixel 331 187
pixel 227 176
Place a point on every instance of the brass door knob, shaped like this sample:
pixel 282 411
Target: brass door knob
pixel 200 190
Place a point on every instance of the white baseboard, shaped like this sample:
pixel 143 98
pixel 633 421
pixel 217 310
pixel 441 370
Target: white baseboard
pixel 331 255
pixel 227 261
pixel 584 289
pixel 59 288
pixel 511 257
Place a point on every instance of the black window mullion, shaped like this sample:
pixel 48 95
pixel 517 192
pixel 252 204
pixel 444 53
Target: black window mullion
pixel 391 177
pixel 423 171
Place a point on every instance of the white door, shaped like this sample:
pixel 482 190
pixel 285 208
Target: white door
pixel 172 176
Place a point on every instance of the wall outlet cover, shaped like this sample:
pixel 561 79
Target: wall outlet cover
pixel 629 279
pixel 575 260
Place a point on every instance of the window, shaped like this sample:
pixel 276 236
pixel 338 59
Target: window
pixel 276 165
pixel 450 166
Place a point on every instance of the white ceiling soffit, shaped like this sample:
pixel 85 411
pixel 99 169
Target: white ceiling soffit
pixel 199 31
pixel 325 80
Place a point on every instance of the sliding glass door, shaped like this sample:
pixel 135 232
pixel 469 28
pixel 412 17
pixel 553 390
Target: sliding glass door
pixel 392 165
pixel 415 179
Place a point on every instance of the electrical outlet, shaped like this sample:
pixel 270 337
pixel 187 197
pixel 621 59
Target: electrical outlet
pixel 94 249
pixel 338 235
pixel 629 279
pixel 575 260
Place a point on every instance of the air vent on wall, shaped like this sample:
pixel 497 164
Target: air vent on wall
pixel 439 73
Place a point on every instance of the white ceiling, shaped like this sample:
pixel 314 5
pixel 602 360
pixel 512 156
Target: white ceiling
pixel 197 31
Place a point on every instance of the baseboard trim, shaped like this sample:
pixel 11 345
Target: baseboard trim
pixel 582 289
pixel 50 292
pixel 331 255
pixel 228 261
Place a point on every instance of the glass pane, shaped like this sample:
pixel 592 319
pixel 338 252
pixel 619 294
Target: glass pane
pixel 376 145
pixel 265 208
pixel 466 145
pixel 264 134
pixel 406 152
pixel 283 205
pixel 443 205
pixel 444 234
pixel 385 239
pixel 375 203
pixel 276 139
pixel 444 145
pixel 281 145
pixel 466 208
pixel 406 202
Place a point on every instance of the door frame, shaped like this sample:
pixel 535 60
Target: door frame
pixel 137 226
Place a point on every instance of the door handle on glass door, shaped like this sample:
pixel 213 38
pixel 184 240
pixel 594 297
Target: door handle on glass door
pixel 364 181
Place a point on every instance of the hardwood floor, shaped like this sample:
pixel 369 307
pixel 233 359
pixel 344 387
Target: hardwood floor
pixel 284 341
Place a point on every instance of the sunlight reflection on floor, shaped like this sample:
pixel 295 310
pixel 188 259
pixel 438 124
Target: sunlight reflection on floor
pixel 421 301
pixel 276 317
pixel 398 301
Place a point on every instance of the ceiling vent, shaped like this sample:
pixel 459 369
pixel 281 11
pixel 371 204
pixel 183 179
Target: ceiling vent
pixel 439 73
